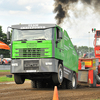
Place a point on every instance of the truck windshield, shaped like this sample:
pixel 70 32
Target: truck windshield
pixel 98 41
pixel 30 35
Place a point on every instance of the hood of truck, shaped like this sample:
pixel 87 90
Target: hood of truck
pixel 32 49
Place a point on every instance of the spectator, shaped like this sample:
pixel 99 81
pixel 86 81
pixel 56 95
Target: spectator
pixel 5 61
pixel 9 61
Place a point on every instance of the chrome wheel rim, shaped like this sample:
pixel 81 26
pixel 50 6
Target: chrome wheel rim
pixel 73 81
pixel 60 74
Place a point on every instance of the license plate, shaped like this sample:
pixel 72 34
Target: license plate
pixel 30 70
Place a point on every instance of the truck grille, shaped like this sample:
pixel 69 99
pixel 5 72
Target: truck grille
pixel 32 52
pixel 31 65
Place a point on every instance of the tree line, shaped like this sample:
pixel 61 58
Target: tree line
pixel 81 50
pixel 6 53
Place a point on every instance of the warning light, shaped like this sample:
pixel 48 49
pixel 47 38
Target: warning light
pixel 93 29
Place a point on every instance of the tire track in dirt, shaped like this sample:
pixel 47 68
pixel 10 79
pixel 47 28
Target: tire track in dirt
pixel 25 92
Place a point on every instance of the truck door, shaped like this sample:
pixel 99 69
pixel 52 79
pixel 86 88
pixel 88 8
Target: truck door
pixel 59 43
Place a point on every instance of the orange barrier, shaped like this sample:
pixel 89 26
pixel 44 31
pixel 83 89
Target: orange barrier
pixel 4 46
pixel 55 94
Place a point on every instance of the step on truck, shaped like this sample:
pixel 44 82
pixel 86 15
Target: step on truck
pixel 44 54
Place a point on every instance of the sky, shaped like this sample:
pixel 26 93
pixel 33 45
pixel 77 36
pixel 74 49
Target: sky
pixel 79 28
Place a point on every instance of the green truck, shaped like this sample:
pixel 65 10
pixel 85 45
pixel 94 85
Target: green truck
pixel 44 54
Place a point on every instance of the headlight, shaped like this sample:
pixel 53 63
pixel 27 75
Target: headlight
pixel 48 63
pixel 14 64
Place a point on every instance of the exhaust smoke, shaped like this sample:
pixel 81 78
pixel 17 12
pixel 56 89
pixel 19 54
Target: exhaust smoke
pixel 62 8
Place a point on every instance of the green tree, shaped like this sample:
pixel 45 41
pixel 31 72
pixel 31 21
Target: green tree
pixel 83 49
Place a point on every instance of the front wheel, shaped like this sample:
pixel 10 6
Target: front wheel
pixel 58 77
pixel 72 84
pixel 19 79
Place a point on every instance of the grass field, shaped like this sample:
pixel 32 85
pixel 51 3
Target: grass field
pixel 4 70
pixel 6 79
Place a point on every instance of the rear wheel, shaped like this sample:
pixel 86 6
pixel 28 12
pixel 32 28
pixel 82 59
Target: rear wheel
pixel 72 84
pixel 64 84
pixel 33 84
pixel 39 84
pixel 58 77
pixel 19 79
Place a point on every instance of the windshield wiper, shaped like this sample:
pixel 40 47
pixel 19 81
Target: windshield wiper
pixel 22 40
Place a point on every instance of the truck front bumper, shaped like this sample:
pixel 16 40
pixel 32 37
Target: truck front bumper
pixel 34 65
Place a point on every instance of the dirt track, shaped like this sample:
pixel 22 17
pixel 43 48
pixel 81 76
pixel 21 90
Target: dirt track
pixel 11 91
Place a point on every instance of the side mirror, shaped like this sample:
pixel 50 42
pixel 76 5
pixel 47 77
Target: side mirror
pixel 8 35
pixel 60 35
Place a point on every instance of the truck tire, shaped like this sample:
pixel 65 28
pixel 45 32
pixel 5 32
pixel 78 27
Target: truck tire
pixel 58 77
pixel 64 84
pixel 50 84
pixel 72 84
pixel 18 79
pixel 39 84
pixel 33 84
